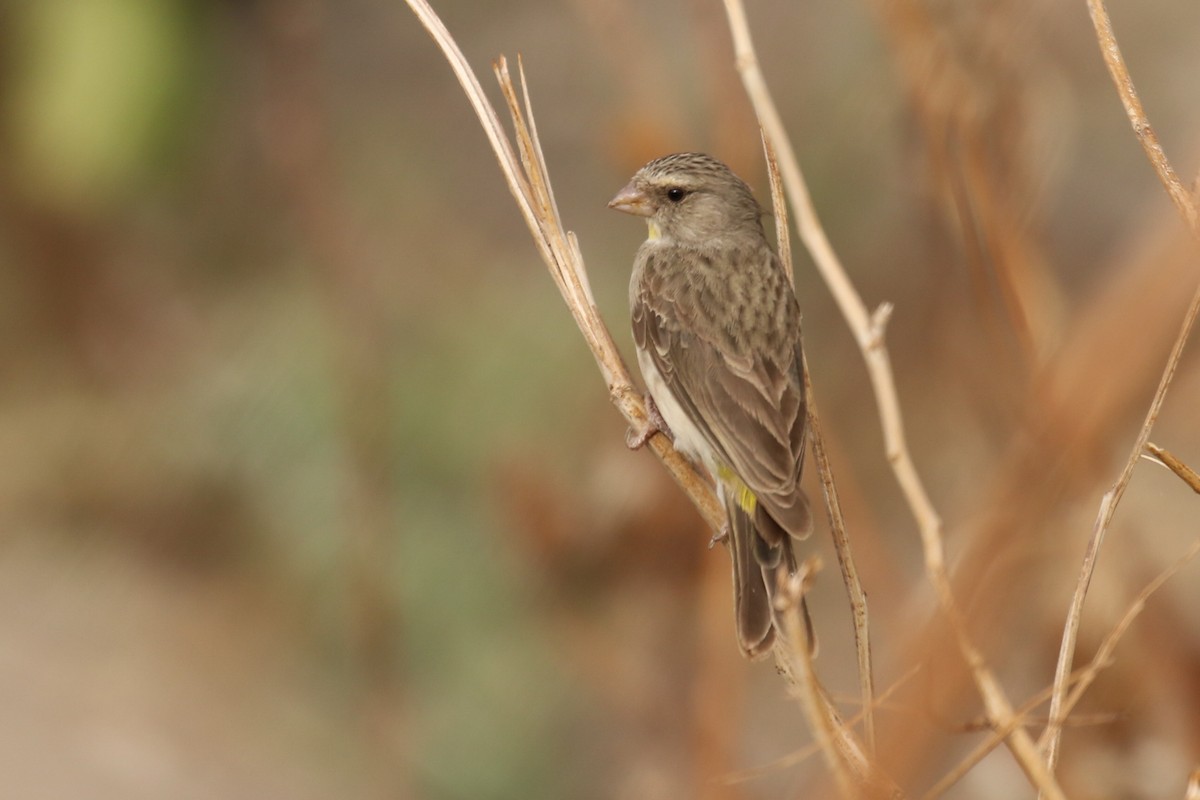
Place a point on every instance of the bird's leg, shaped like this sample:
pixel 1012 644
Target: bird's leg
pixel 636 439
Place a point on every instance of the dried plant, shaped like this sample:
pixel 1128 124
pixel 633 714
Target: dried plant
pixel 854 764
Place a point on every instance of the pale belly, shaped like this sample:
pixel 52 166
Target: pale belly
pixel 688 438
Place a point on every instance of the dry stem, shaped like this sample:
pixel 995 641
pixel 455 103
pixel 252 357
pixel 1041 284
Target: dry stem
pixel 993 740
pixel 783 241
pixel 1104 655
pixel 1080 680
pixel 1107 39
pixel 841 544
pixel 853 772
pixel 1185 203
pixel 833 506
pixel 810 750
pixel 798 665
pixel 868 330
pixel 530 186
pixel 1173 463
pixel 529 183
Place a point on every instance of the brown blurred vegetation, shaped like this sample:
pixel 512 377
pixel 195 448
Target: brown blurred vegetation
pixel 308 487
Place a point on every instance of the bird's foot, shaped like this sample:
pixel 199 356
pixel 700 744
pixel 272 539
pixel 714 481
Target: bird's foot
pixel 635 438
pixel 719 536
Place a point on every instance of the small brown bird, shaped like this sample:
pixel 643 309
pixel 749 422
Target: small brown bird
pixel 717 329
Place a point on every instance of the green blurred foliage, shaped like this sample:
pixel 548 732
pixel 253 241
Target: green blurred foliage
pixel 99 91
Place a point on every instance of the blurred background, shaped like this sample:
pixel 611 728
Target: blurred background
pixel 310 488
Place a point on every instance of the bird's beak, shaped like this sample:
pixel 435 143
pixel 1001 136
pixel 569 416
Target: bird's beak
pixel 631 201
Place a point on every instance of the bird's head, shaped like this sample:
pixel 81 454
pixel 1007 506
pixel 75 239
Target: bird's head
pixel 691 198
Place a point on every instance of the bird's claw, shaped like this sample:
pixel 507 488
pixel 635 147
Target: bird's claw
pixel 719 536
pixel 636 438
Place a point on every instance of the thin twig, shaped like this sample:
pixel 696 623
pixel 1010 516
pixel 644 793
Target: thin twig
pixel 1173 463
pixel 1108 505
pixel 868 330
pixel 833 736
pixel 1080 680
pixel 1107 39
pixel 804 753
pixel 994 739
pixel 797 663
pixel 1185 203
pixel 856 775
pixel 850 578
pixel 783 241
pixel 837 523
pixel 1066 653
pixel 530 186
pixel 1083 679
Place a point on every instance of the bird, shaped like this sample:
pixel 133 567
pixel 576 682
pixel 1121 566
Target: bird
pixel 716 326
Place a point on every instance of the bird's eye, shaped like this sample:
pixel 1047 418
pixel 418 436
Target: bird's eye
pixel 675 194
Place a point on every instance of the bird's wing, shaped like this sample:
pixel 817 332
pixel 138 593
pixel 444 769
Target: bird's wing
pixel 747 402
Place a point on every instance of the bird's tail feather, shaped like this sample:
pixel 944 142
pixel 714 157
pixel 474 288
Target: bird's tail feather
pixel 756 558
pixel 751 597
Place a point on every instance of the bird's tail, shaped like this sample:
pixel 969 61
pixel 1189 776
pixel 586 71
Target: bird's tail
pixel 752 601
pixel 756 561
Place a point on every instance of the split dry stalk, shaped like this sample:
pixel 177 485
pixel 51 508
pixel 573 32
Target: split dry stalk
pixel 530 186
pixel 1186 205
pixel 868 330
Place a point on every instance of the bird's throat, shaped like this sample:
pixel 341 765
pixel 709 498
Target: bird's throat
pixel 655 233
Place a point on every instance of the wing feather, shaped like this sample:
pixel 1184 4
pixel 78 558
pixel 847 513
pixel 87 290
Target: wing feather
pixel 743 389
